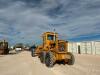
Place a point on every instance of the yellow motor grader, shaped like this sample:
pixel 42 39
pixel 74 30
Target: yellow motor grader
pixel 53 50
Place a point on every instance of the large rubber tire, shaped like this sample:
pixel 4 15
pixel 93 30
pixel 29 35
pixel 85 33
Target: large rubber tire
pixel 49 60
pixel 33 52
pixel 72 60
pixel 6 51
pixel 42 56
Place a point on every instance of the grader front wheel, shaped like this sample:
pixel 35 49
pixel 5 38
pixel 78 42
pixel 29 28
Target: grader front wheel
pixel 49 60
pixel 42 56
pixel 71 60
pixel 33 52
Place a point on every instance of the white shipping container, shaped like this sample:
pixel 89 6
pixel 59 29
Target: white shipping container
pixel 83 48
pixel 87 47
pixel 97 47
pixel 72 47
pixel 91 47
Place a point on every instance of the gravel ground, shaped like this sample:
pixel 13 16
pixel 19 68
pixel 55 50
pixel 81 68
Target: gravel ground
pixel 23 64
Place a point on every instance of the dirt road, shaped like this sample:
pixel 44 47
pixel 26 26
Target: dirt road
pixel 24 64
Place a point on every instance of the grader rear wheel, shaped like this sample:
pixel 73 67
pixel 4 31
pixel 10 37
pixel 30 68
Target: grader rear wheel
pixel 71 60
pixel 49 61
pixel 42 56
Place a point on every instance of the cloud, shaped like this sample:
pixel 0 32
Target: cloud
pixel 26 20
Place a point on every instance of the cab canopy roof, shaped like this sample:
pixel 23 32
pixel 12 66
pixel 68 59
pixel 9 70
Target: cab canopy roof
pixel 52 33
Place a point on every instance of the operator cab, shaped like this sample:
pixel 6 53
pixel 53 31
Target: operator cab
pixel 50 39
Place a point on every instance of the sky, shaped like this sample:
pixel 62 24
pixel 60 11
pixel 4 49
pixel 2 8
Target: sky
pixel 23 21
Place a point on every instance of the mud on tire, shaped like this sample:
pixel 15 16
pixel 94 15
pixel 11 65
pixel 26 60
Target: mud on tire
pixel 49 60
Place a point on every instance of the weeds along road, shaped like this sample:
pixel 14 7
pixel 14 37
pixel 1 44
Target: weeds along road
pixel 24 64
